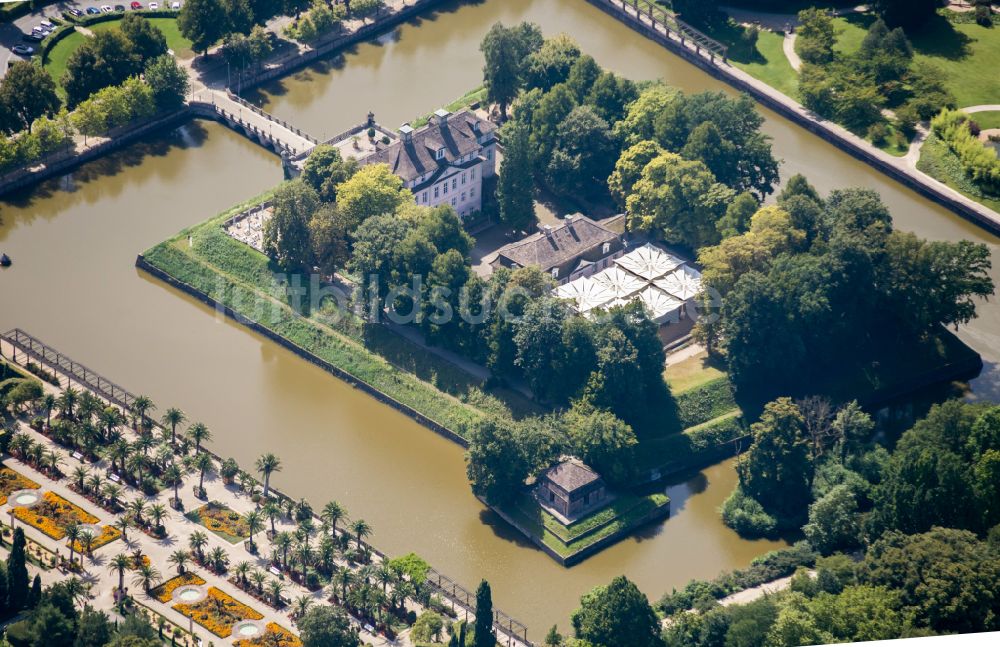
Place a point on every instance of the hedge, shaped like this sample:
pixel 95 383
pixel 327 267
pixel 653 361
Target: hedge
pixel 50 42
pixel 766 568
pixel 87 19
pixel 705 402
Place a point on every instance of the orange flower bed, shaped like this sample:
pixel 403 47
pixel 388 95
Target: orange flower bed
pixel 53 514
pixel 165 591
pixel 218 612
pixel 275 636
pixel 12 481
pixel 224 522
pixel 108 535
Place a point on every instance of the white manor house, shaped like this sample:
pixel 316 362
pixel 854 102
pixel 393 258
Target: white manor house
pixel 444 161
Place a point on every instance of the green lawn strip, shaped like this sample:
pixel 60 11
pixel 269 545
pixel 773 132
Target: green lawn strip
pixel 769 64
pixel 695 447
pixel 987 120
pixel 477 95
pixel 851 31
pixel 692 372
pixel 607 521
pixel 174 258
pixel 939 162
pixel 55 62
pixel 180 46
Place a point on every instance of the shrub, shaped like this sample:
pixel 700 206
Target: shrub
pixel 747 516
pixel 907 118
pixel 978 161
pixel 878 132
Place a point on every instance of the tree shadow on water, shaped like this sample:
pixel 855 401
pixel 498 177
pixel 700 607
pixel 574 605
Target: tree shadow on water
pixel 191 134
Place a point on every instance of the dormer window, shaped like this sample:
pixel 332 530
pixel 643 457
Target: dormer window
pixel 605 248
pixel 439 153
pixel 555 272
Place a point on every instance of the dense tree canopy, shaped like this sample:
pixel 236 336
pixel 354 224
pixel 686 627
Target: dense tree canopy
pixel 617 614
pixel 26 93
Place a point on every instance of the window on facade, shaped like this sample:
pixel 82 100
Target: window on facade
pixel 446 188
pixel 454 201
pixel 454 183
pixel 489 153
pixel 472 192
pixel 463 178
pixel 463 196
pixel 472 174
pixel 552 496
pixel 435 192
pixel 439 154
pixel 424 195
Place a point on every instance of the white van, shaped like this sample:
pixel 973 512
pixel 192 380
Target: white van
pixel 46 25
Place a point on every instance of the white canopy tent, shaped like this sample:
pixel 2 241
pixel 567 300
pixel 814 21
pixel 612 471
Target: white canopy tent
pixel 586 293
pixel 660 306
pixel 649 262
pixel 683 283
pixel 621 283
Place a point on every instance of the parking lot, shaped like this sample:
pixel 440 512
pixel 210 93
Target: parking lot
pixel 21 39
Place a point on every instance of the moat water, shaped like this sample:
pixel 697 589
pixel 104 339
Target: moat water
pixel 74 285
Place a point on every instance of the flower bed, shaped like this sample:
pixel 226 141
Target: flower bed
pixel 165 591
pixel 53 514
pixel 218 612
pixel 108 535
pixel 12 481
pixel 224 522
pixel 275 636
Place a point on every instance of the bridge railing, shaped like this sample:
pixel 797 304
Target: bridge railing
pixel 662 21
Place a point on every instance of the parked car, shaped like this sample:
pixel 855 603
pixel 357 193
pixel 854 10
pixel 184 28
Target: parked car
pixel 153 6
pixel 106 8
pixel 136 5
pixel 33 37
pixel 175 5
pixel 73 11
pixel 23 50
pixel 46 25
pixel 93 11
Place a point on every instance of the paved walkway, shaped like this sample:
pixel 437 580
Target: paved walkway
pixel 788 47
pixel 102 580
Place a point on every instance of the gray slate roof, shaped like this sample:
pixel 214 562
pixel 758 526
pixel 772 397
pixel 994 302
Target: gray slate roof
pixel 571 475
pixel 576 235
pixel 458 136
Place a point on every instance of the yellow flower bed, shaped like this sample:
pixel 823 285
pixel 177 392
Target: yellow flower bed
pixel 275 636
pixel 108 535
pixel 53 514
pixel 12 481
pixel 218 612
pixel 223 521
pixel 165 591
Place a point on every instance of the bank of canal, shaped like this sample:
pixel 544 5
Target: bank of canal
pixel 74 284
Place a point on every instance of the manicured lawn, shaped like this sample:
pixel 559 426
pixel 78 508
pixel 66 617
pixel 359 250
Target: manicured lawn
pixel 55 61
pixel 178 44
pixel 968 54
pixel 987 120
pixel 692 372
pixel 769 64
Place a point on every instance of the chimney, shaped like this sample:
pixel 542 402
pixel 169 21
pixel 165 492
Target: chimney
pixel 441 116
pixel 407 132
pixel 547 230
